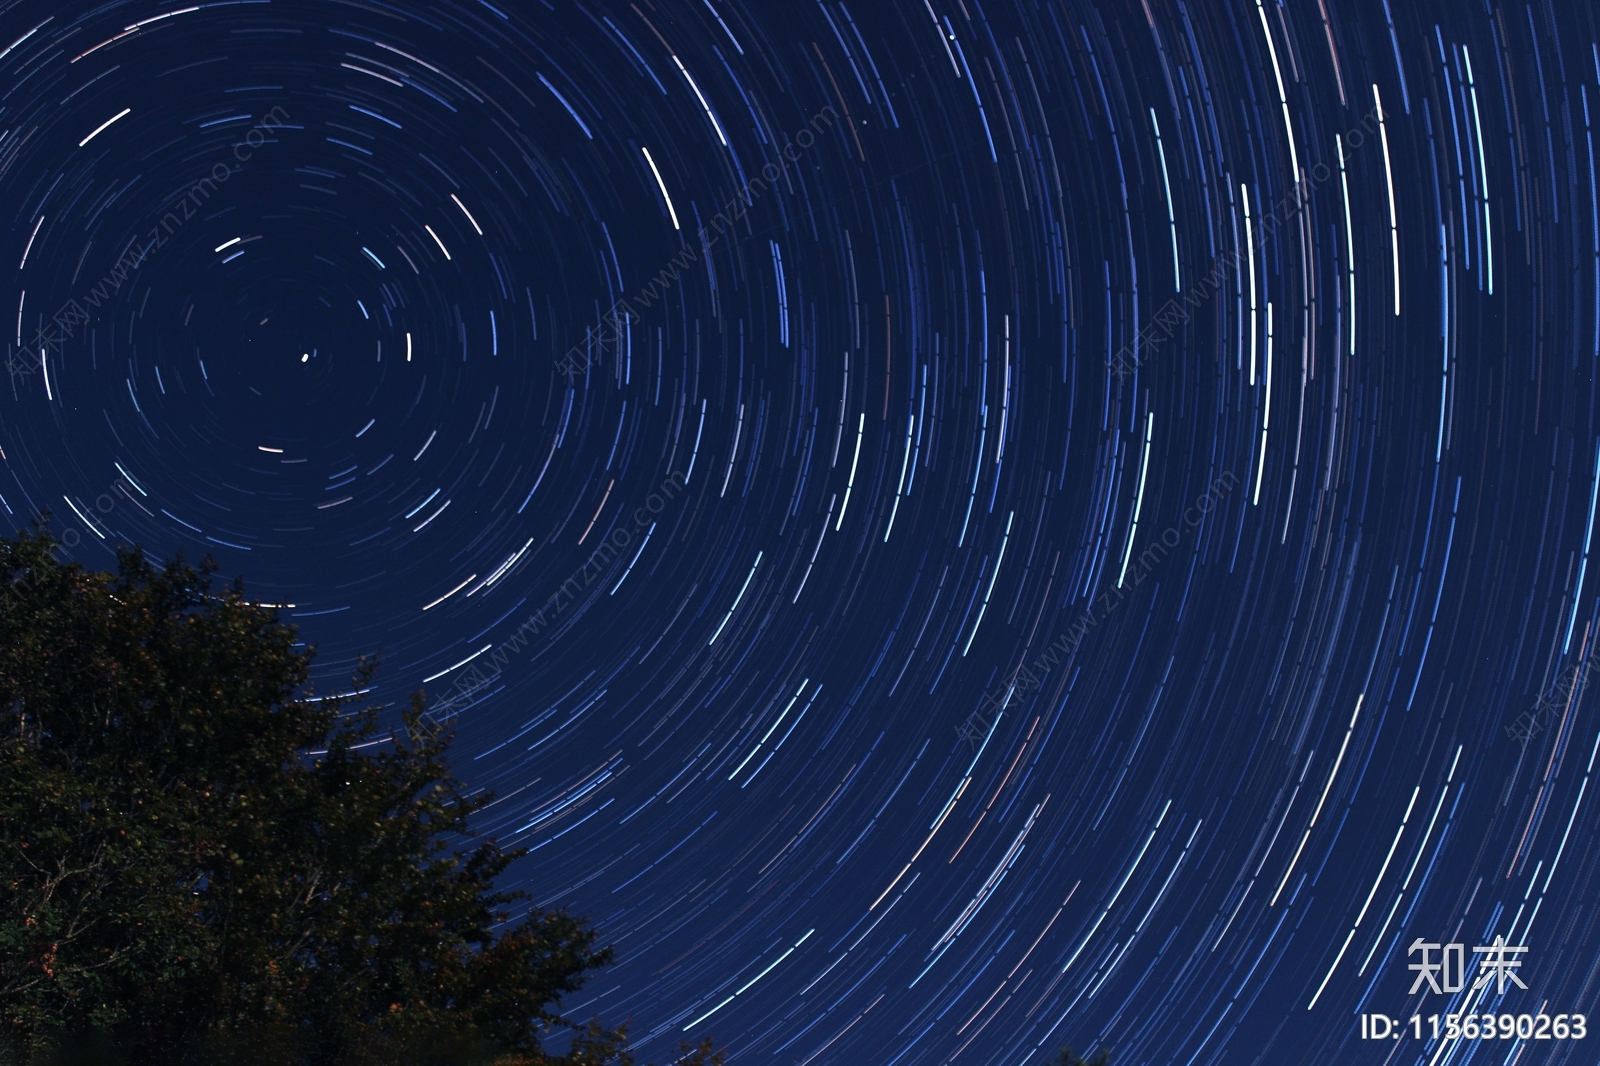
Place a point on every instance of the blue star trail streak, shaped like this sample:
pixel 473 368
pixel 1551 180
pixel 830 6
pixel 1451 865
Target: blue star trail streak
pixel 951 528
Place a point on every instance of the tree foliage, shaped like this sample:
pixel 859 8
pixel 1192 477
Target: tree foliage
pixel 199 862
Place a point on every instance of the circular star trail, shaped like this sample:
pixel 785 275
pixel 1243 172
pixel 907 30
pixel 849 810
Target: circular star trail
pixel 951 529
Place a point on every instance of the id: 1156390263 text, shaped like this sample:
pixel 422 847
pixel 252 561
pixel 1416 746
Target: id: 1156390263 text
pixel 1486 1026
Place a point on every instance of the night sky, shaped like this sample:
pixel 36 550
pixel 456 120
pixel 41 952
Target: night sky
pixel 952 528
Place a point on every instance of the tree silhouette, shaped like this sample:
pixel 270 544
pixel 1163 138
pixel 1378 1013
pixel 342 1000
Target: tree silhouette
pixel 200 862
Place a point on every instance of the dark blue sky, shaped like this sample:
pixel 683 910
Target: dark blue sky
pixel 952 529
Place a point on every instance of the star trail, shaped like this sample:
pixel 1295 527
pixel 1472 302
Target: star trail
pixel 951 529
